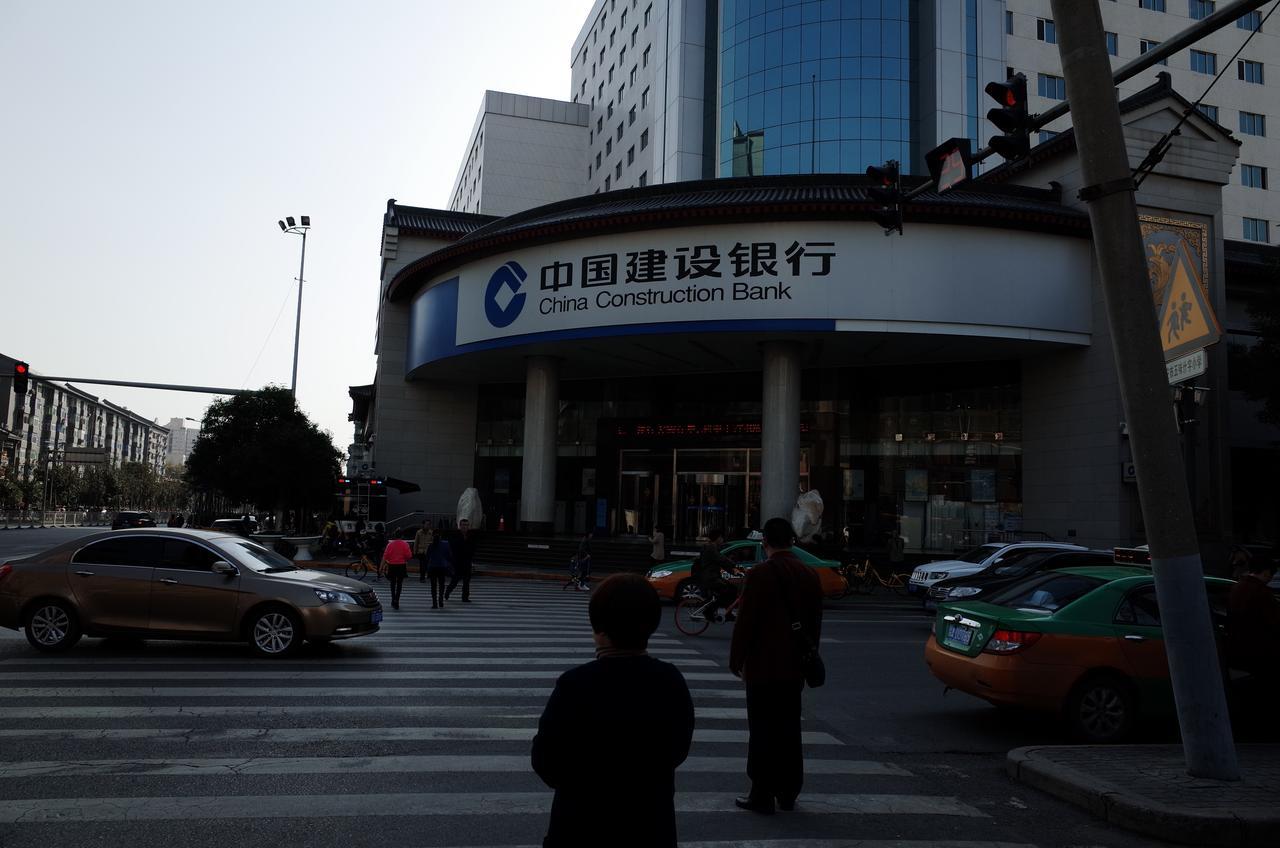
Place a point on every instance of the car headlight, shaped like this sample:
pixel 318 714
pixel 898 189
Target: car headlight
pixel 964 592
pixel 329 596
pixel 938 575
pixel 655 575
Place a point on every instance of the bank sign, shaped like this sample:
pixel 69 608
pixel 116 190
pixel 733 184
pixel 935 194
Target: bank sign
pixel 812 276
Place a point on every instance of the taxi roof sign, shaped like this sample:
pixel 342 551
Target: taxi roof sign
pixel 1187 321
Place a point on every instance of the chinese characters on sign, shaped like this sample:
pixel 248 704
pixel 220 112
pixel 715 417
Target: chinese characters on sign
pixel 743 260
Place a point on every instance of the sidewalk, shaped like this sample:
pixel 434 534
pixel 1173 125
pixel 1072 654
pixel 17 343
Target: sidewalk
pixel 1146 788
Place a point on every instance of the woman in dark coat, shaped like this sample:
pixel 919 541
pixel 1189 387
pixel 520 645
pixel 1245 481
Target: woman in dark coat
pixel 615 786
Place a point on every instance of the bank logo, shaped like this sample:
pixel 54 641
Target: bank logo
pixel 509 276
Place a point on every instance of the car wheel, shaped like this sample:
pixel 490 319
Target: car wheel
pixel 275 632
pixel 686 589
pixel 1102 709
pixel 52 626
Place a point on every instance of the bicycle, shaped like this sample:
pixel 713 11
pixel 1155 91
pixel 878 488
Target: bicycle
pixel 361 568
pixel 576 580
pixel 694 613
pixel 866 578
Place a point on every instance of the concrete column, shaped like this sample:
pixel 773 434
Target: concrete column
pixel 541 414
pixel 780 430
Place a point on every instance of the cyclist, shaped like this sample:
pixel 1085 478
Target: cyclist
pixel 708 572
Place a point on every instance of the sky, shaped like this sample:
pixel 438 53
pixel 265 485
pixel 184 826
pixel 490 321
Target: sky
pixel 149 149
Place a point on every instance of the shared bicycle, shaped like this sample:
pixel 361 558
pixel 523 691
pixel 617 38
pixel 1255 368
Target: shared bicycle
pixel 695 613
pixel 864 578
pixel 363 567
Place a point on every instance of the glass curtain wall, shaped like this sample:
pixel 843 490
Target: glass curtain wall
pixel 815 86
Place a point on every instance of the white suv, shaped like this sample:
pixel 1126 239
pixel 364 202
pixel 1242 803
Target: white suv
pixel 978 559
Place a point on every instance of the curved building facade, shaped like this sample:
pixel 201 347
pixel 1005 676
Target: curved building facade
pixel 816 87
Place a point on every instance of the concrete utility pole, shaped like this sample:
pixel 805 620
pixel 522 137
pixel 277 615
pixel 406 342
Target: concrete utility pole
pixel 1144 390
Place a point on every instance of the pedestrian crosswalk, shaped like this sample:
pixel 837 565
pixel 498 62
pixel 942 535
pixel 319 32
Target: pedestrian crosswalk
pixel 417 736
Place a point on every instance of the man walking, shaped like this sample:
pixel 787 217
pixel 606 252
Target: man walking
pixel 463 546
pixel 764 654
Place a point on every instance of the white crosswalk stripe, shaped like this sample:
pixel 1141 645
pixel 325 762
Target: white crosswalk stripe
pixel 429 718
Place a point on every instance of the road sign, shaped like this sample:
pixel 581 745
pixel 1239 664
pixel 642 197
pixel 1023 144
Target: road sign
pixel 1187 322
pixel 1187 367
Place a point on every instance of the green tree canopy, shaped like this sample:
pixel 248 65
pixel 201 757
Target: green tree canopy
pixel 260 448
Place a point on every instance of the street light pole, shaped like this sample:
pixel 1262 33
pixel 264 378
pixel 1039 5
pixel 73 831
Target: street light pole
pixel 299 228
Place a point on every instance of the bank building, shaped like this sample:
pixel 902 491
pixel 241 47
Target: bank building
pixel 670 302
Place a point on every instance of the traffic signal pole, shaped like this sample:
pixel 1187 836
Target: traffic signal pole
pixel 1144 391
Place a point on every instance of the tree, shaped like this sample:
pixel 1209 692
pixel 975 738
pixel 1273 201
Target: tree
pixel 260 448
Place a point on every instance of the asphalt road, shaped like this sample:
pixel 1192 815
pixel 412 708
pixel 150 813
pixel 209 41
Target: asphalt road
pixel 419 736
pixel 20 543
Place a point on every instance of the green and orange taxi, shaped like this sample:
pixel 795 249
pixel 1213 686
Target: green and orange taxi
pixel 1082 643
pixel 671 578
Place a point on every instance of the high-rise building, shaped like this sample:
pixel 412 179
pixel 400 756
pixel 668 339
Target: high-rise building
pixel 696 89
pixel 181 440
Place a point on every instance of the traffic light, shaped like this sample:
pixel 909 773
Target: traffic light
pixel 20 373
pixel 887 191
pixel 1010 117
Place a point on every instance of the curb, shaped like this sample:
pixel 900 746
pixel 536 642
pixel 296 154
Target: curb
pixel 1116 805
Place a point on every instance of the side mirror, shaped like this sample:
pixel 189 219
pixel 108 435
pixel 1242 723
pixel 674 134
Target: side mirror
pixel 225 568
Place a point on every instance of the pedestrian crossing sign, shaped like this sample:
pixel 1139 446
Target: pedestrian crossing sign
pixel 1187 322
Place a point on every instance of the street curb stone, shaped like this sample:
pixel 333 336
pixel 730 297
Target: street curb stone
pixel 1246 825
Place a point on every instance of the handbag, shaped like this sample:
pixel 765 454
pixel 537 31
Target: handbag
pixel 810 661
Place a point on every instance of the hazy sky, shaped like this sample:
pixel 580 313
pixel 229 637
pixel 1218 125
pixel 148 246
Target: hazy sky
pixel 148 150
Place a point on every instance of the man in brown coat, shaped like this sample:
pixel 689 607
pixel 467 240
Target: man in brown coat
pixel 764 654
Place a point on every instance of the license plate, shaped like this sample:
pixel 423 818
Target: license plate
pixel 959 636
pixel 377 617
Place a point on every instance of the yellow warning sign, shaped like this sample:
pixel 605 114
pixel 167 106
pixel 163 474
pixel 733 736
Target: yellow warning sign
pixel 1187 321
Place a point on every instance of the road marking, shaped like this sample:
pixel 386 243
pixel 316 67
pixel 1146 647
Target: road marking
pixel 407 804
pixel 270 710
pixel 281 675
pixel 364 693
pixel 399 662
pixel 426 652
pixel 348 734
pixel 209 767
pixel 822 843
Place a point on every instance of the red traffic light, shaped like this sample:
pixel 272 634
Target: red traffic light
pixel 20 368
pixel 21 371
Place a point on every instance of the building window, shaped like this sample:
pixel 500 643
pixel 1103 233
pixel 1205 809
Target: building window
pixel 1249 71
pixel 600 91
pixel 1008 23
pixel 1252 123
pixel 597 158
pixel 591 137
pixel 1210 112
pixel 620 126
pixel 609 110
pixel 634 33
pixel 648 13
pixel 634 68
pixel 1251 21
pixel 1203 62
pixel 631 115
pixel 1147 44
pixel 1153 5
pixel 588 170
pixel 1113 44
pixel 631 154
pixel 644 98
pixel 599 124
pixel 644 181
pixel 644 63
pixel 622 21
pixel 644 139
pixel 611 67
pixel 1200 9
pixel 1256 229
pixel 607 182
pixel 622 57
pixel 1045 135
pixel 1253 176
pixel 1054 88
pixel 613 36
pixel 1046 31
pixel 608 146
pixel 618 171
pixel 621 89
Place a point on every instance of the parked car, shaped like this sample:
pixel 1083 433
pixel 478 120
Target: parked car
pixel 130 518
pixel 671 578
pixel 239 526
pixel 978 559
pixel 179 584
pixel 1008 571
pixel 1081 643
